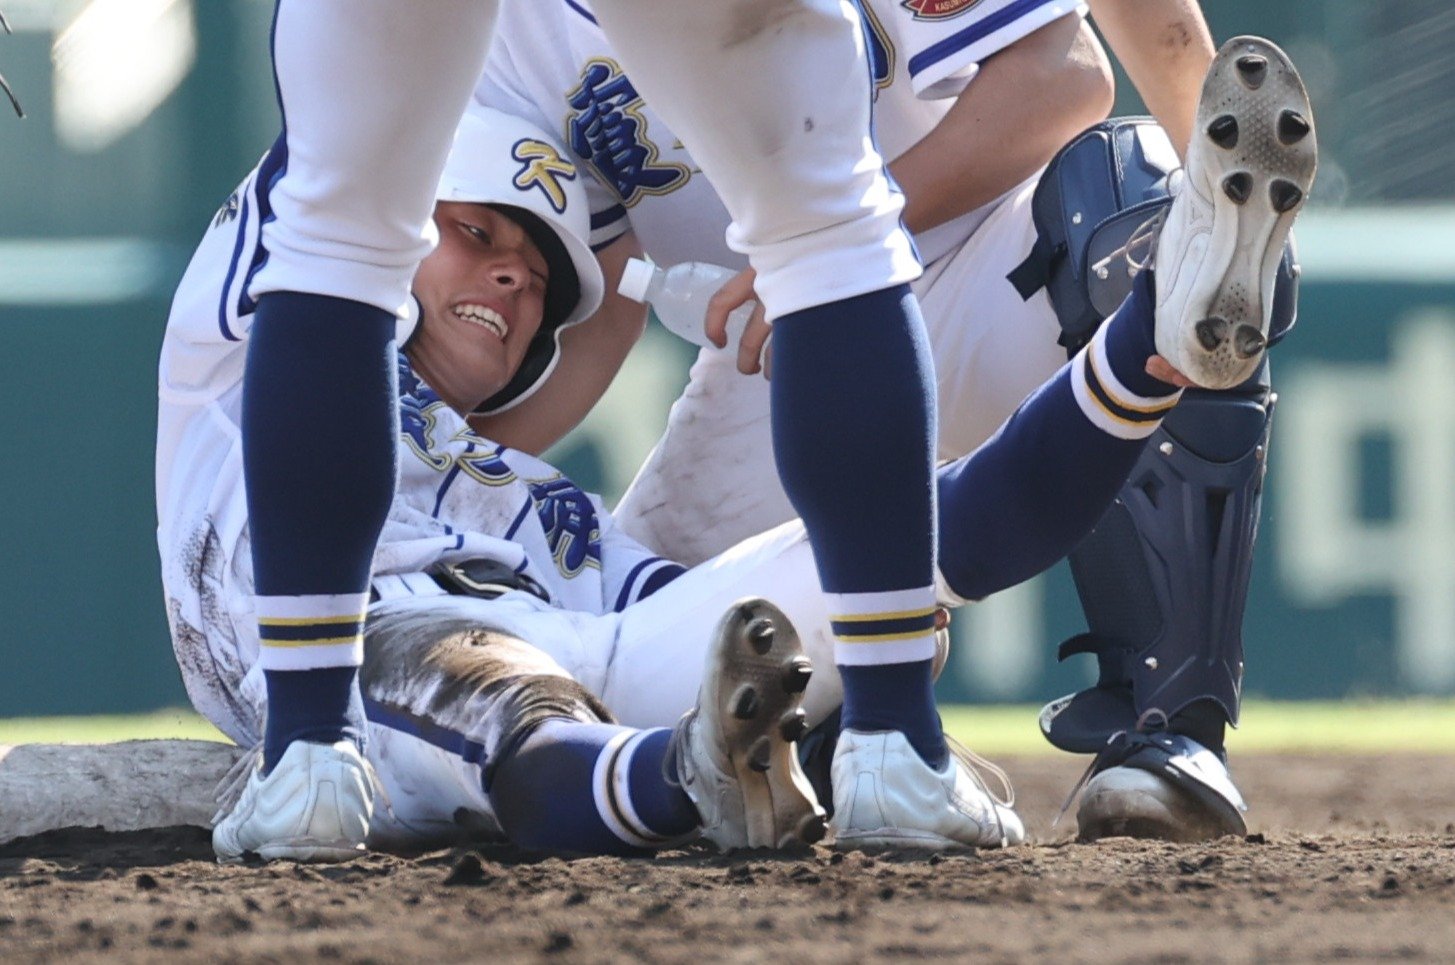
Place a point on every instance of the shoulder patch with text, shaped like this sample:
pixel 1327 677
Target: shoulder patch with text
pixel 937 9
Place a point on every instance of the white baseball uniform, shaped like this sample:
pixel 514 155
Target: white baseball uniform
pixel 710 482
pixel 459 497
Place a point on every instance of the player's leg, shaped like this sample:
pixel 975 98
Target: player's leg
pixel 1026 497
pixel 1164 580
pixel 710 482
pixel 992 348
pixel 370 94
pixel 1012 508
pixel 1164 577
pixel 774 103
pixel 476 729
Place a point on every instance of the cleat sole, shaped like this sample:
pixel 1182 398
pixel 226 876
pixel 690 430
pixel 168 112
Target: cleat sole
pixel 760 758
pixel 1285 195
pixel 1257 141
pixel 794 726
pixel 759 679
pixel 1249 342
pixel 1211 333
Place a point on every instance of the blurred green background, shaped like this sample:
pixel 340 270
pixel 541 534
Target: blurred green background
pixel 145 113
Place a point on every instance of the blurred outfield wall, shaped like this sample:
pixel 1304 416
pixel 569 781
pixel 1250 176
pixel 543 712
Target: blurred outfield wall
pixel 144 113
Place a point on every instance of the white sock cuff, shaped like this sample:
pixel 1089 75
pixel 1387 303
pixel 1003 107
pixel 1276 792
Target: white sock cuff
pixel 611 789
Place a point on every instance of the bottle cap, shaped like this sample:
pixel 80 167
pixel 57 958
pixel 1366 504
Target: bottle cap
pixel 636 278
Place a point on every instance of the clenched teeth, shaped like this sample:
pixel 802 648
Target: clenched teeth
pixel 486 317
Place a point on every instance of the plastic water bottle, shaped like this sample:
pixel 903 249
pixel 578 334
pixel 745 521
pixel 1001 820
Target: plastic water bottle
pixel 679 295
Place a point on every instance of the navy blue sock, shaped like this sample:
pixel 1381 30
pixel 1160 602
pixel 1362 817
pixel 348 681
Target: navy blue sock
pixel 321 706
pixel 316 500
pixel 590 789
pixel 1136 339
pixel 901 691
pixel 1027 496
pixel 854 435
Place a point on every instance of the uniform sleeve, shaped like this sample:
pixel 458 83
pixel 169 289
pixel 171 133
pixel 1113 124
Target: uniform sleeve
pixel 629 571
pixel 944 41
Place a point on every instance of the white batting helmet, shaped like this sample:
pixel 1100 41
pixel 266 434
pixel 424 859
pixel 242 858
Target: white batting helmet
pixel 514 166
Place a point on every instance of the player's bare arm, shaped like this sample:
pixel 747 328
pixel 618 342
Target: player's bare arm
pixel 1057 77
pixel 1165 47
pixel 591 355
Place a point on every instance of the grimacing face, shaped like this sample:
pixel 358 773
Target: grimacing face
pixel 482 295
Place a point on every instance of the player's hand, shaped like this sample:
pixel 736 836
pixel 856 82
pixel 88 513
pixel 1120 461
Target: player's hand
pixel 736 292
pixel 752 356
pixel 1162 370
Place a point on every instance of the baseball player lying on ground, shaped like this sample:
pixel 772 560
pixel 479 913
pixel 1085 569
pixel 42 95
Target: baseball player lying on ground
pixel 528 666
pixel 972 100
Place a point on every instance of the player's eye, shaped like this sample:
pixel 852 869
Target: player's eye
pixel 476 232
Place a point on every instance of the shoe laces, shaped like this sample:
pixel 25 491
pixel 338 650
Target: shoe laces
pixel 673 759
pixel 230 788
pixel 977 768
pixel 1142 243
pixel 1118 748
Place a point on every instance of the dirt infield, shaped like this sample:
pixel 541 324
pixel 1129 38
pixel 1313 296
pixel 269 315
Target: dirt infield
pixel 1351 858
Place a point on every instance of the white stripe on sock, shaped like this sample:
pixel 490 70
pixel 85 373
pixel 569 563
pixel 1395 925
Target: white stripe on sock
pixel 893 651
pixel 1098 414
pixel 323 606
pixel 311 656
pixel 602 781
pixel 621 780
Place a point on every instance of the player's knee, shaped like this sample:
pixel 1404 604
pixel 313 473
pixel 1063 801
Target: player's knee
pixel 458 673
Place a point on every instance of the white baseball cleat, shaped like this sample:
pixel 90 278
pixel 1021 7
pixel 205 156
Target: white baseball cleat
pixel 1176 790
pixel 1248 171
pixel 735 752
pixel 886 796
pixel 316 805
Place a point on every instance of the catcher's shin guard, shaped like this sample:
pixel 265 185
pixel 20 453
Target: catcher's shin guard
pixel 1164 577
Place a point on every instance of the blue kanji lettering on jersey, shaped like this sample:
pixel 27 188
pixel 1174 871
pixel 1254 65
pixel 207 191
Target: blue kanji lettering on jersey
pixel 607 130
pixel 569 521
pixel 417 405
pixel 228 211
pixel 482 460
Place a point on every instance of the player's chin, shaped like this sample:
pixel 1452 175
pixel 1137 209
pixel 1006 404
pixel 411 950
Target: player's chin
pixel 489 372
